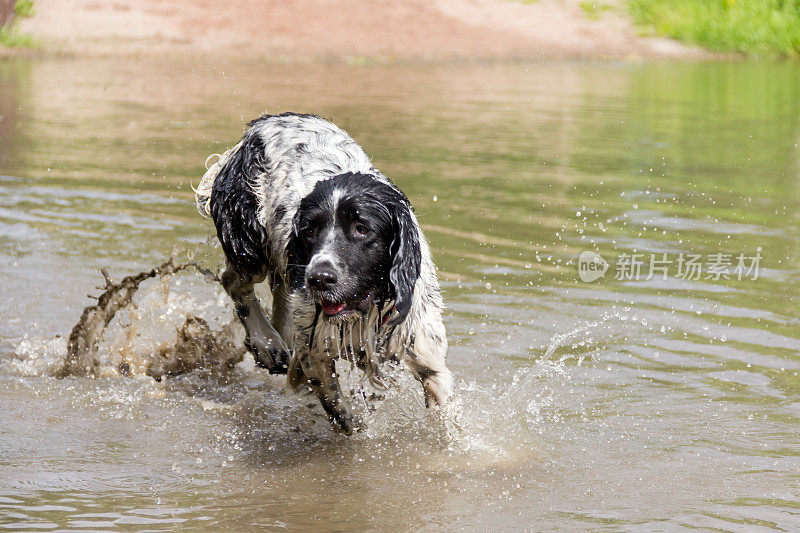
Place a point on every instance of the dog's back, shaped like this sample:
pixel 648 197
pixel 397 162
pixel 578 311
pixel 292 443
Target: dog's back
pixel 265 176
pixel 298 151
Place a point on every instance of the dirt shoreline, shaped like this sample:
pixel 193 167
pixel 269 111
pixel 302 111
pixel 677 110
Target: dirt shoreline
pixel 350 30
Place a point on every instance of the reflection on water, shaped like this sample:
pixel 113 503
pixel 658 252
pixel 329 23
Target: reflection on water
pixel 620 404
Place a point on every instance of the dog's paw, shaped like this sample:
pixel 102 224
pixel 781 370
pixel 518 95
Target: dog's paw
pixel 275 360
pixel 345 422
pixel 280 361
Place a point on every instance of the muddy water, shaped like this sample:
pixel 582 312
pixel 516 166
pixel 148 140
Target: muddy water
pixel 634 402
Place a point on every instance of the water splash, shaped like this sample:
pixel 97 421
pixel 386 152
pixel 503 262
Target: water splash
pixel 142 337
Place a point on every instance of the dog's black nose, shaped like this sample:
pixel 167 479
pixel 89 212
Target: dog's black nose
pixel 322 277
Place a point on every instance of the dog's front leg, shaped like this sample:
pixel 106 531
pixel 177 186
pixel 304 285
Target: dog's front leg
pixel 319 372
pixel 266 344
pixel 325 384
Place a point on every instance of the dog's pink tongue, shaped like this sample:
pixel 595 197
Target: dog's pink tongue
pixel 332 309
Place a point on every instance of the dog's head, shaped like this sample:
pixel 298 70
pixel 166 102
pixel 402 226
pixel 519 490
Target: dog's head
pixel 355 242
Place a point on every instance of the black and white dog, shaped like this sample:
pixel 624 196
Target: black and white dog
pixel 297 202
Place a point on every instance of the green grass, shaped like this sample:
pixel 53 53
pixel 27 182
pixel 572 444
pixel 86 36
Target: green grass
pixel 752 27
pixel 11 37
pixel 594 9
pixel 23 8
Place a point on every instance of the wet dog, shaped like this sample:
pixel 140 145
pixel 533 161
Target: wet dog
pixel 298 203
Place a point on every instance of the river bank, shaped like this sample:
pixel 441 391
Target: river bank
pixel 353 31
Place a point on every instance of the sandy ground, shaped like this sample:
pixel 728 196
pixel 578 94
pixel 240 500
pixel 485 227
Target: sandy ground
pixel 344 29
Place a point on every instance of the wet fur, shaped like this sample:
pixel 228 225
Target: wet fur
pixel 260 194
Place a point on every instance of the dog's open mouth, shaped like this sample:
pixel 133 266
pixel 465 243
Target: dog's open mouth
pixel 343 308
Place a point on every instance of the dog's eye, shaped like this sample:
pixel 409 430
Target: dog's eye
pixel 309 232
pixel 360 229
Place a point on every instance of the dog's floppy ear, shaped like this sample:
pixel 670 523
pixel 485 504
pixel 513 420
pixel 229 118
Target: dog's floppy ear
pixel 234 207
pixel 296 257
pixel 406 258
